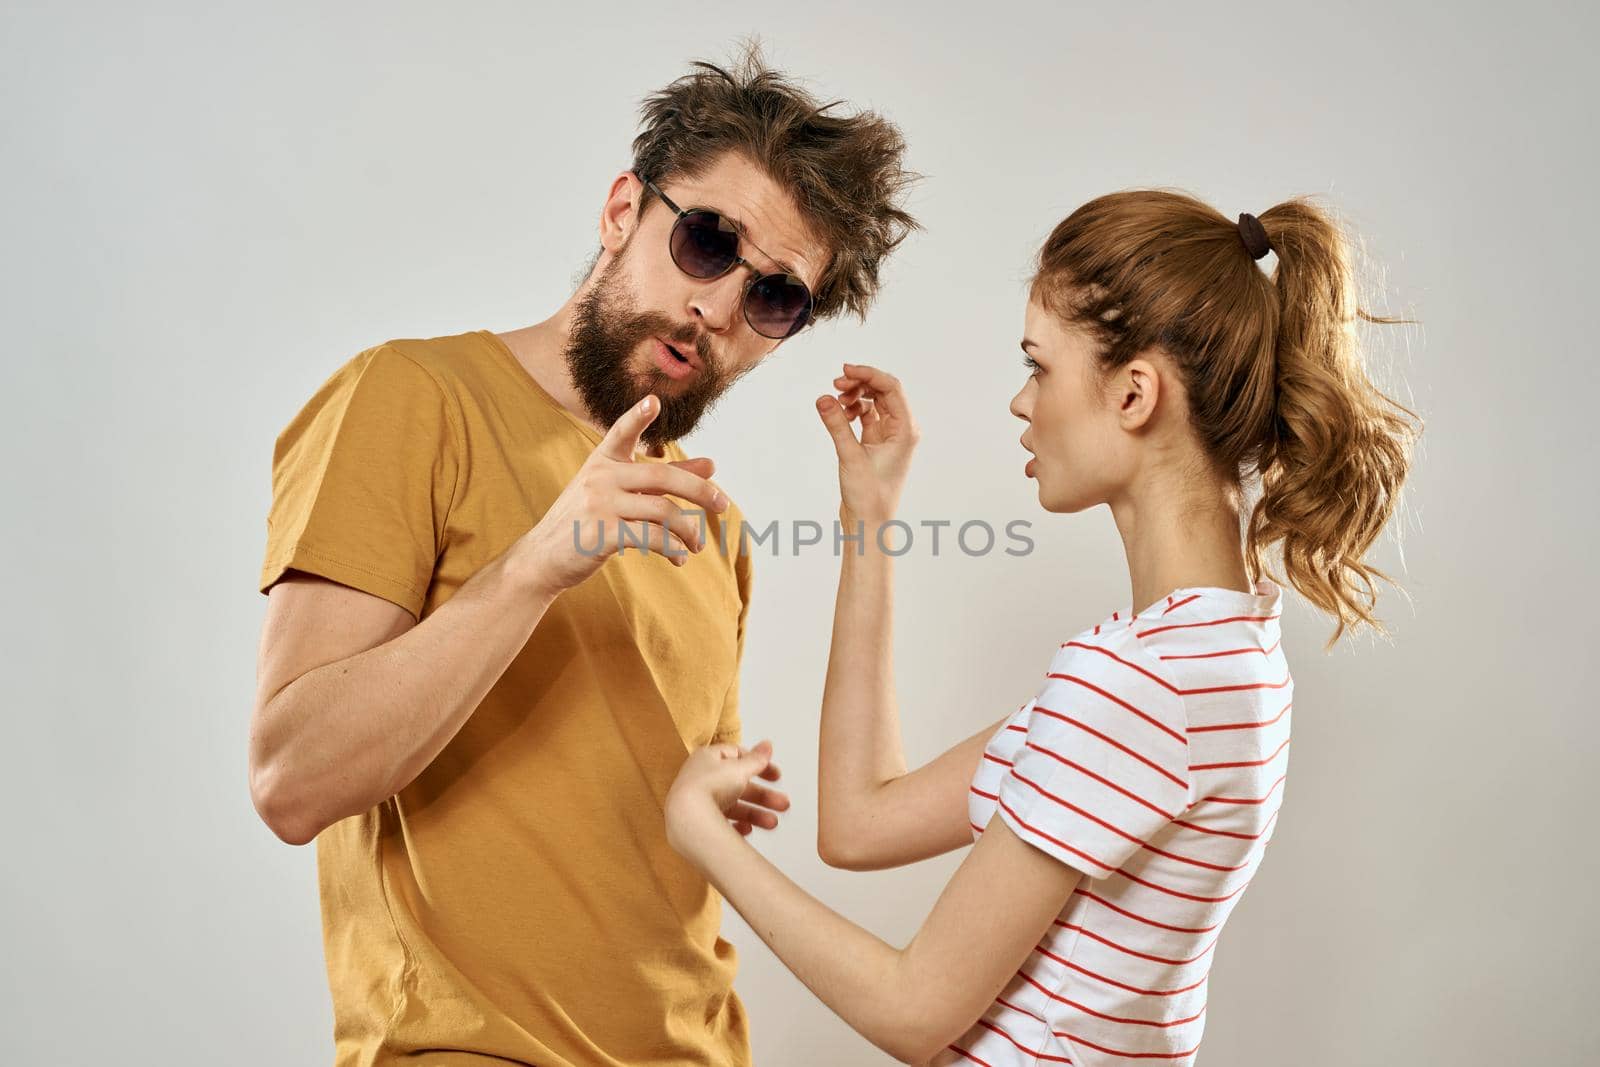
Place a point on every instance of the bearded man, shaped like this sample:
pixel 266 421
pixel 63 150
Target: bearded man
pixel 467 696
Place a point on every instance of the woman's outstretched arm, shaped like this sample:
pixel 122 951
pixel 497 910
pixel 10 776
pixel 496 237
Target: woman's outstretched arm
pixel 870 812
pixel 911 1002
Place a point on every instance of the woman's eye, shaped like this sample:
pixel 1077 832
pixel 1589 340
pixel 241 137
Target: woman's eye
pixel 1031 363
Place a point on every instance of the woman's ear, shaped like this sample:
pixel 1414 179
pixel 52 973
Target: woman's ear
pixel 1138 390
pixel 620 214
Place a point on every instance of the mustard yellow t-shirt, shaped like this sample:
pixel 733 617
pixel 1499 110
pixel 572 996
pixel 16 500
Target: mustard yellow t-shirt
pixel 518 902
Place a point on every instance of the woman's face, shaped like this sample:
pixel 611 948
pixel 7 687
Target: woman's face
pixel 1082 453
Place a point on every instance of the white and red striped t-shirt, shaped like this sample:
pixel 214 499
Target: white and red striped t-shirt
pixel 1152 760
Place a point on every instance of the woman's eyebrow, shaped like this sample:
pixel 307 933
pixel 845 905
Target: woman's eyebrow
pixel 1027 344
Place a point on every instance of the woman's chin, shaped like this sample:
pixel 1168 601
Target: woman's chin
pixel 1053 500
pixel 1047 500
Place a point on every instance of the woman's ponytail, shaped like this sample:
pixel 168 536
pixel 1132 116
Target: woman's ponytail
pixel 1339 449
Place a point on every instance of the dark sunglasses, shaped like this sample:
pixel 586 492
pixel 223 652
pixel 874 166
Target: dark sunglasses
pixel 704 244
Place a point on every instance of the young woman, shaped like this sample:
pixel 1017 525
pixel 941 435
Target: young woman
pixel 1120 813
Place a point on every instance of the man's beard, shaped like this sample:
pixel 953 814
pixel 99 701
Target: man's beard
pixel 606 333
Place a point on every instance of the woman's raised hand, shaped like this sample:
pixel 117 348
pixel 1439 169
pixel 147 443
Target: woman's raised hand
pixel 873 468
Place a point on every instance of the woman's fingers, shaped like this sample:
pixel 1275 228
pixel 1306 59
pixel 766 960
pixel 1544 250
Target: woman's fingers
pixel 854 403
pixel 881 386
pixel 754 816
pixel 838 426
pixel 761 756
pixel 760 795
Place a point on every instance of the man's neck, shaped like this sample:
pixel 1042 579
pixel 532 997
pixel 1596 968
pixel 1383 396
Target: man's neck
pixel 542 351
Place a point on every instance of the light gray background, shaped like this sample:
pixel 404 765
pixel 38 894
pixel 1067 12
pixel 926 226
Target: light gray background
pixel 208 207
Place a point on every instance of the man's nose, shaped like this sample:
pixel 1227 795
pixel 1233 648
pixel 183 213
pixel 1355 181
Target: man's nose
pixel 716 303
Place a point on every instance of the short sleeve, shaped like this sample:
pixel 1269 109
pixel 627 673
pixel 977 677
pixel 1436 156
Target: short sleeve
pixel 1105 761
pixel 728 724
pixel 362 481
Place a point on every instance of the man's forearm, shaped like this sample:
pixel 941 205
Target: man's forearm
pixel 352 733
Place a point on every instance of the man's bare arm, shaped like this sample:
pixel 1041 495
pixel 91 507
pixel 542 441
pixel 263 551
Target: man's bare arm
pixel 354 697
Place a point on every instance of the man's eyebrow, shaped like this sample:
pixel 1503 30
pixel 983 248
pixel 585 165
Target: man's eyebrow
pixel 738 224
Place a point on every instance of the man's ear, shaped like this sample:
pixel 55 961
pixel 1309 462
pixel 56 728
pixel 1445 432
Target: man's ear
pixel 620 214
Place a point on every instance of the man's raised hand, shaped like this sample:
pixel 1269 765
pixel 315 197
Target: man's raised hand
pixel 584 526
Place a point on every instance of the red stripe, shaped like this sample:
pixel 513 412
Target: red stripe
pixel 1243 800
pixel 1115 744
pixel 1174 607
pixel 981 793
pixel 1086 932
pixel 1021 729
pixel 970 1056
pixel 1019 1009
pixel 1054 840
pixel 1026 977
pixel 1163 682
pixel 1230 652
pixel 1140 918
pixel 1186 896
pixel 1198 863
pixel 1287 680
pixel 987 1025
pixel 1228 833
pixel 1122 985
pixel 1242 725
pixel 1104 781
pixel 1152 720
pixel 1128 1055
pixel 1209 622
pixel 1134 666
pixel 1245 763
pixel 1042 791
pixel 975 826
pixel 1008 763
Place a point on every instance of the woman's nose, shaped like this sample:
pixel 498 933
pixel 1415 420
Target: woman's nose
pixel 1021 406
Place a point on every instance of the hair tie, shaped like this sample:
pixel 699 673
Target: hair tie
pixel 1254 236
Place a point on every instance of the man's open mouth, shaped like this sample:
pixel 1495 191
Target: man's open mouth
pixel 674 362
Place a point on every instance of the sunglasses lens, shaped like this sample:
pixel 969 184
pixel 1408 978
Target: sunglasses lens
pixel 704 245
pixel 778 305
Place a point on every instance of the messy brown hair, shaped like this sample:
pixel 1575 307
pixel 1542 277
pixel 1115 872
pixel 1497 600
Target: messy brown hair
pixel 1272 364
pixel 843 170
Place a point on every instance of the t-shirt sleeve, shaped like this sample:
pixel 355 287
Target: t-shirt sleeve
pixel 728 725
pixel 1105 762
pixel 362 480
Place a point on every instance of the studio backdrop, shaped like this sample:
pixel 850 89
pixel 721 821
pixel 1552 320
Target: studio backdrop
pixel 209 207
